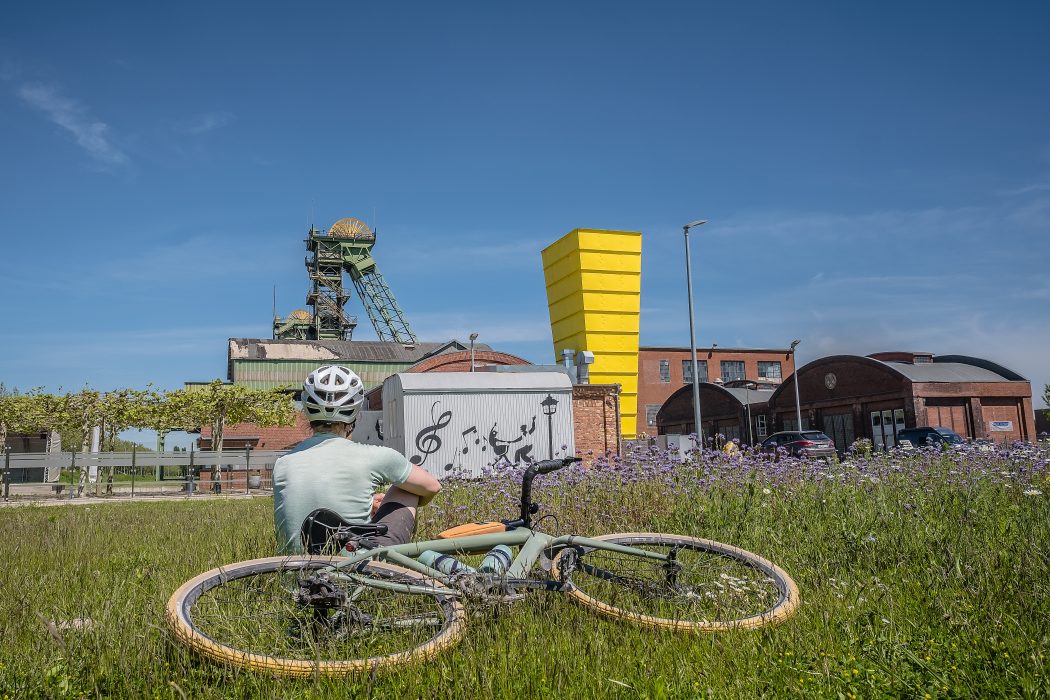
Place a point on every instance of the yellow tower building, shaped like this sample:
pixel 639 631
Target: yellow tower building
pixel 594 284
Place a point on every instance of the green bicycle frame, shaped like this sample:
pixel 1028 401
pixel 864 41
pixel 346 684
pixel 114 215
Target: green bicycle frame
pixel 532 545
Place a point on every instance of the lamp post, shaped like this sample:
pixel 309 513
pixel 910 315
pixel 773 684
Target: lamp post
pixel 550 407
pixel 747 400
pixel 794 364
pixel 692 332
pixel 473 337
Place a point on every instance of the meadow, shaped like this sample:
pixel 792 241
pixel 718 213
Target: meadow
pixel 922 574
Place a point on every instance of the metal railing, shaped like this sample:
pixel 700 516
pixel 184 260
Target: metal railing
pixel 135 473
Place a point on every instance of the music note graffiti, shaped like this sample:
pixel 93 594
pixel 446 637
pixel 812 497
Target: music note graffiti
pixel 427 440
pixel 501 448
pixel 522 455
pixel 477 439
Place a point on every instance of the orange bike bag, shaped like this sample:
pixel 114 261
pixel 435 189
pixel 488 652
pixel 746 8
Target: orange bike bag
pixel 472 529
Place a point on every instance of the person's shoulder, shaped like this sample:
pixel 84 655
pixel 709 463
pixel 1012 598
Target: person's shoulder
pixel 302 446
pixel 377 451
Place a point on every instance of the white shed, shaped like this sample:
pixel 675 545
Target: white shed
pixel 461 422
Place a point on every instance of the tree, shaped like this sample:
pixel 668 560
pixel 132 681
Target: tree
pixel 15 414
pixel 83 413
pixel 218 404
pixel 122 409
pixel 1046 400
pixel 46 413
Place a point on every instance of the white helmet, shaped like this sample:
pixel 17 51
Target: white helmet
pixel 333 394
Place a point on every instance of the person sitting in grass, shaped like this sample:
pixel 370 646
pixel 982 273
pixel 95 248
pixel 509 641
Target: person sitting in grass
pixel 329 470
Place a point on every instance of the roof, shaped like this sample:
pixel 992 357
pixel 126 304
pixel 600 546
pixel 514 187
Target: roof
pixel 747 396
pixel 946 372
pixel 713 349
pixel 350 350
pixel 480 382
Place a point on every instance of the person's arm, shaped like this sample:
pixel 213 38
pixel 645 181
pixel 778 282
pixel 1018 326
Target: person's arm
pixel 422 484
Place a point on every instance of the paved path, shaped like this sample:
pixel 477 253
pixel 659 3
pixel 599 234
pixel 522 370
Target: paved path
pixel 92 500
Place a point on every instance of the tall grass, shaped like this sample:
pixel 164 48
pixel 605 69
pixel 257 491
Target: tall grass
pixel 923 574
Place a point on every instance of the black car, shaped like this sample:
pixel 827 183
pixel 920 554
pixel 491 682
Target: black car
pixel 927 437
pixel 804 443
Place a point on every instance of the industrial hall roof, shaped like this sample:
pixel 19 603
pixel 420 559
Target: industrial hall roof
pixel 336 350
pixel 270 364
pixel 946 372
pixel 747 396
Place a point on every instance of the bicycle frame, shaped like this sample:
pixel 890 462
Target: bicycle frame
pixel 532 545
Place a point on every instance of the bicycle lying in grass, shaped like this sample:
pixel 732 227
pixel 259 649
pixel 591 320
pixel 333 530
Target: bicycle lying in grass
pixel 314 614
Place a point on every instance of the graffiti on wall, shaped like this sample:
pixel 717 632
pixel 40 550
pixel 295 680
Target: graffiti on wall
pixel 502 446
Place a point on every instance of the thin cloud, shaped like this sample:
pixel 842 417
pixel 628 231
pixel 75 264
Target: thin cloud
pixel 1027 189
pixel 204 123
pixel 71 115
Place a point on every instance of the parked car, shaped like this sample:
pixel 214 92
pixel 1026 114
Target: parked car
pixel 927 437
pixel 804 443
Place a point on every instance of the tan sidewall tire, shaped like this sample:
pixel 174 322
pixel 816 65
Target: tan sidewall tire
pixel 186 634
pixel 782 611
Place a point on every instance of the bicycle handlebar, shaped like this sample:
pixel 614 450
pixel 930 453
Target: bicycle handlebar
pixel 545 467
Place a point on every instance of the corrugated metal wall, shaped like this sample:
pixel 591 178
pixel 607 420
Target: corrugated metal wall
pixel 463 433
pixel 369 428
pixel 270 374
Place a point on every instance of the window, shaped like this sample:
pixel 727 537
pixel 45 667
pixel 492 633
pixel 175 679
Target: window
pixel 760 424
pixel 687 370
pixel 665 371
pixel 769 370
pixel 650 414
pixel 732 370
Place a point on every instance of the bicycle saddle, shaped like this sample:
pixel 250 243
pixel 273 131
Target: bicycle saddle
pixel 323 529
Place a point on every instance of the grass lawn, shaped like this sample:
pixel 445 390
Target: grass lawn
pixel 921 575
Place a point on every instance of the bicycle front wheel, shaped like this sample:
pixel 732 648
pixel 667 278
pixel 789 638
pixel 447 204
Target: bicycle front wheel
pixel 703 585
pixel 253 615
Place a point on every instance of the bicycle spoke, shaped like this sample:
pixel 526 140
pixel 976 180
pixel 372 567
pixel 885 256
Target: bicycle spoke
pixel 261 612
pixel 695 586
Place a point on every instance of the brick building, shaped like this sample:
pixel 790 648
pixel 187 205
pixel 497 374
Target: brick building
pixel 738 410
pixel 850 397
pixel 663 370
pixel 33 442
pixel 595 416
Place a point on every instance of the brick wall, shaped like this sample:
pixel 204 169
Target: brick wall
pixel 654 392
pixel 275 438
pixel 595 410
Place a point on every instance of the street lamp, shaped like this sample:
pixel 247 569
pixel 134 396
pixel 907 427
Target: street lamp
pixel 550 407
pixel 692 331
pixel 473 337
pixel 794 363
pixel 748 385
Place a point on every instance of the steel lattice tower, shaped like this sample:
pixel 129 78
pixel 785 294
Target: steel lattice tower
pixel 345 246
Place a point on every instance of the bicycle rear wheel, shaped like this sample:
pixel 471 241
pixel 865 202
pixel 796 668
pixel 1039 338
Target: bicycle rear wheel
pixel 708 587
pixel 247 615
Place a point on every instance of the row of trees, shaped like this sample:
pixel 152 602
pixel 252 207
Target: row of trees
pixel 75 415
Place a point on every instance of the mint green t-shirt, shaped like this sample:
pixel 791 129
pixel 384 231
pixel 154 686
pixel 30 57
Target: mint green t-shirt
pixel 327 471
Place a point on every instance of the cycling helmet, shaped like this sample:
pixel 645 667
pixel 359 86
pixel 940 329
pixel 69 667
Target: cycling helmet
pixel 333 394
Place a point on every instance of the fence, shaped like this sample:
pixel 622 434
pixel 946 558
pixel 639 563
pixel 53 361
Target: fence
pixel 136 473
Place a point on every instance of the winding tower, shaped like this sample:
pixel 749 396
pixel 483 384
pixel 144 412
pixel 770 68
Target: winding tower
pixel 327 295
pixel 347 245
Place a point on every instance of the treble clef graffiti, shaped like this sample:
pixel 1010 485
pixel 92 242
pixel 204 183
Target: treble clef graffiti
pixel 427 440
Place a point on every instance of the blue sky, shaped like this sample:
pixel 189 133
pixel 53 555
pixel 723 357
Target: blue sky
pixel 876 177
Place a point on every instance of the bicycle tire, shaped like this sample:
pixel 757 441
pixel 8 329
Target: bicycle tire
pixel 186 621
pixel 581 586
